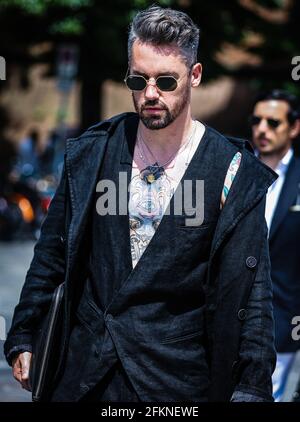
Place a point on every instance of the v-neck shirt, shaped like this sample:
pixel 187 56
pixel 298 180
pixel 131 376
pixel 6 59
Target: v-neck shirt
pixel 148 201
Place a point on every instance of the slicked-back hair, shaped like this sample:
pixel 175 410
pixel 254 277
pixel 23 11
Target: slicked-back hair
pixel 282 95
pixel 163 26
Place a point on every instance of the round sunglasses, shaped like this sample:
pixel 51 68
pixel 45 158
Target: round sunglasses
pixel 273 123
pixel 139 83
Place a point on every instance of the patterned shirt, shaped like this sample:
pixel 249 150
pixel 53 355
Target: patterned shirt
pixel 149 201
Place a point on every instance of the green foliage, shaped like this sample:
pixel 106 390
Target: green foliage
pixel 100 29
pixel 141 4
pixel 229 22
pixel 38 7
pixel 67 26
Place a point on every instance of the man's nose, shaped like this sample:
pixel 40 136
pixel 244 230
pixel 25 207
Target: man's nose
pixel 263 125
pixel 151 91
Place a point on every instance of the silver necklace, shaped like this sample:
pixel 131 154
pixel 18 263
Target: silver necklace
pixel 153 171
pixel 191 146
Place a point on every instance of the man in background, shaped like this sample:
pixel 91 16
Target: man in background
pixel 275 124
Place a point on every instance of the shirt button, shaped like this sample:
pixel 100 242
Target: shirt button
pixel 242 314
pixel 251 262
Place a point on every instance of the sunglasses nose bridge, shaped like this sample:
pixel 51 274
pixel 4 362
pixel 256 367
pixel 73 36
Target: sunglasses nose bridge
pixel 262 124
pixel 266 125
pixel 151 85
pixel 151 89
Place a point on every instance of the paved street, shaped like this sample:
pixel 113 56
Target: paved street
pixel 15 258
pixel 14 261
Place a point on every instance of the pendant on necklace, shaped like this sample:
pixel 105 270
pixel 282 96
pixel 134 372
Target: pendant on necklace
pixel 152 173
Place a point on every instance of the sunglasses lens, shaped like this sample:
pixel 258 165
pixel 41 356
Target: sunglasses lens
pixel 136 83
pixel 255 120
pixel 273 123
pixel 166 83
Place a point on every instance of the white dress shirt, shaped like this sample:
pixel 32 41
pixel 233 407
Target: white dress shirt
pixel 275 189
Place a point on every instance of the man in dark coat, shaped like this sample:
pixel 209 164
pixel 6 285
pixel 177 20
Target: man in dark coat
pixel 167 285
pixel 276 124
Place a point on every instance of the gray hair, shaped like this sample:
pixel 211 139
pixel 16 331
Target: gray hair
pixel 159 26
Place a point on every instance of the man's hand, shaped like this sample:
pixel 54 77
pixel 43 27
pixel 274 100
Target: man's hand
pixel 21 365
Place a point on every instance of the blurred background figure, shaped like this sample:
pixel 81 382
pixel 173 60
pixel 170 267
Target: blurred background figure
pixel 26 186
pixel 30 161
pixel 275 125
pixel 9 213
pixel 20 204
pixel 53 156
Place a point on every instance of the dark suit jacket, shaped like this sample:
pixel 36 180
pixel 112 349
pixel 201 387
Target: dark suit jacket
pixel 238 313
pixel 284 240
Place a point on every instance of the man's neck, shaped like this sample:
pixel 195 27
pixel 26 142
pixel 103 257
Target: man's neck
pixel 272 160
pixel 164 142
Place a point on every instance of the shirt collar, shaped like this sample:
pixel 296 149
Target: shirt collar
pixel 284 162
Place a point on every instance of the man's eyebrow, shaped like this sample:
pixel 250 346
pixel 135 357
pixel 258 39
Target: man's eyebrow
pixel 175 74
pixel 136 72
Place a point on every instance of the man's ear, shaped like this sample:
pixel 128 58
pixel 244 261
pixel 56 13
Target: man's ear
pixel 196 75
pixel 295 129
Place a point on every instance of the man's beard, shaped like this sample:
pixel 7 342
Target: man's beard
pixel 168 116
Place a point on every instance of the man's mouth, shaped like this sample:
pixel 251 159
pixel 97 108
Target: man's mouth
pixel 153 108
pixel 263 142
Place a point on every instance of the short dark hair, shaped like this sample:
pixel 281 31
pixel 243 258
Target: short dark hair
pixel 281 95
pixel 159 26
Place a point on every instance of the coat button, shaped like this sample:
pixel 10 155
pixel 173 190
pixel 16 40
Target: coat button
pixel 242 314
pixel 251 262
pixel 109 317
pixel 84 388
pixel 62 239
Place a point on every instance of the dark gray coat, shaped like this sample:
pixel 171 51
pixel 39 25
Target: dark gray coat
pixel 284 244
pixel 238 311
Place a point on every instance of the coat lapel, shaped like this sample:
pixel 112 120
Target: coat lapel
pixel 246 191
pixel 83 158
pixel 287 196
pixel 121 222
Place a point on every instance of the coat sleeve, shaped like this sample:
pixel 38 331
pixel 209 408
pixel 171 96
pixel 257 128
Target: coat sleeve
pixel 257 356
pixel 46 271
